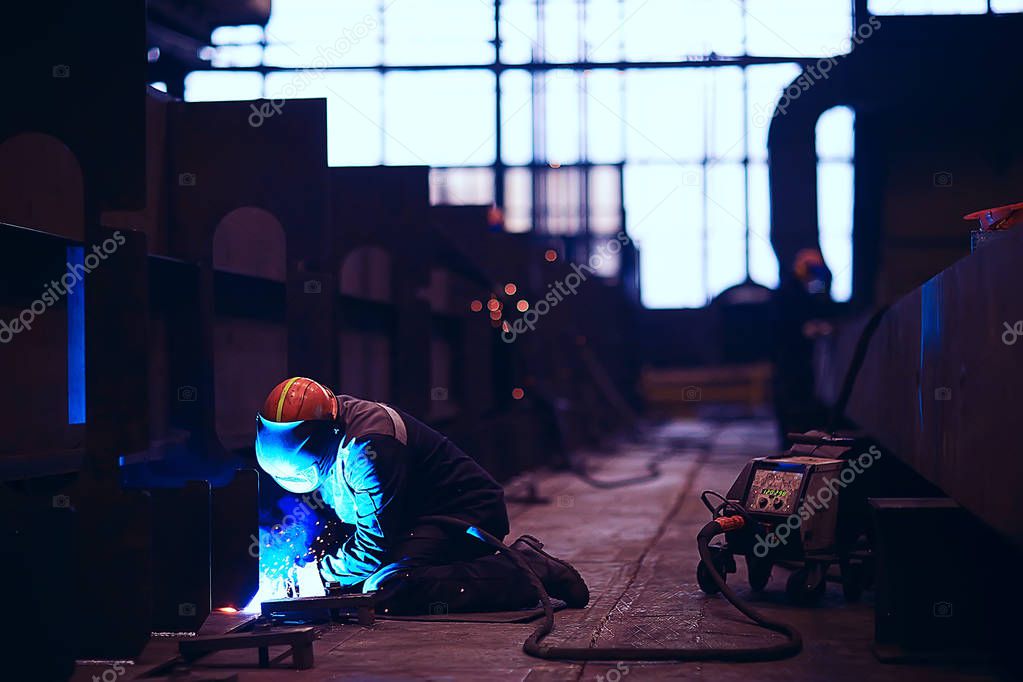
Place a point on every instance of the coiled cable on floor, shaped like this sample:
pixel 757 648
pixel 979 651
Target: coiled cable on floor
pixel 653 465
pixel 534 647
pixel 653 468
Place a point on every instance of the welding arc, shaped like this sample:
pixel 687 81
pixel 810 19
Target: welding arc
pixel 533 647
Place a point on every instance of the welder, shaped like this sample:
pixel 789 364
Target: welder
pixel 385 472
pixel 801 308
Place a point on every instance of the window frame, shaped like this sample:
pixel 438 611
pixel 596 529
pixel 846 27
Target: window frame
pixel 538 70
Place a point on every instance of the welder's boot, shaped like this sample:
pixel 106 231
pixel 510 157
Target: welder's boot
pixel 558 577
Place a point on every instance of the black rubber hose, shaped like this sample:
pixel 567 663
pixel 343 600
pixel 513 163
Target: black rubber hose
pixel 653 468
pixel 855 365
pixel 533 646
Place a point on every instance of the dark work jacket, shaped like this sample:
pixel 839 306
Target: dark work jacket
pixel 391 470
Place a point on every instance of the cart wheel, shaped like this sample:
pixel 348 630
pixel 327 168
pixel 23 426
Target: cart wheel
pixel 759 573
pixel 853 579
pixel 806 586
pixel 703 577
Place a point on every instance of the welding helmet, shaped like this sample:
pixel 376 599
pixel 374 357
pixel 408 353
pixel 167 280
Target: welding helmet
pixel 297 435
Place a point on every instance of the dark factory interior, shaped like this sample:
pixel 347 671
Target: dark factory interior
pixel 511 339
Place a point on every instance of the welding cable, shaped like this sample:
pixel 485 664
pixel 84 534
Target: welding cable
pixel 855 365
pixel 533 647
pixel 653 467
pixel 718 510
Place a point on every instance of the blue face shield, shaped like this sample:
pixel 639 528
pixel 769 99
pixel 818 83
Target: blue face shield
pixel 297 454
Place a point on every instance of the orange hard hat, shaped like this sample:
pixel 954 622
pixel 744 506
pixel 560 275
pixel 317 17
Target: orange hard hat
pixel 299 399
pixel 998 218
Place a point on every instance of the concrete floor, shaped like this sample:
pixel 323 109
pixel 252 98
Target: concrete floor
pixel 636 548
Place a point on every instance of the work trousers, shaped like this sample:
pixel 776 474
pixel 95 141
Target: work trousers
pixel 436 570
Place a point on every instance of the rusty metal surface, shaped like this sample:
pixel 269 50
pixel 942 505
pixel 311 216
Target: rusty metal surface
pixel 941 380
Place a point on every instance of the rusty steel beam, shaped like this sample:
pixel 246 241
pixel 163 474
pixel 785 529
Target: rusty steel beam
pixel 941 381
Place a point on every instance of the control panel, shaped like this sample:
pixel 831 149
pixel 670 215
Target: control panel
pixel 774 491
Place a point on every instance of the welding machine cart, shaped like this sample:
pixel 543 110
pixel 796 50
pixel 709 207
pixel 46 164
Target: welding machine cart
pixel 804 509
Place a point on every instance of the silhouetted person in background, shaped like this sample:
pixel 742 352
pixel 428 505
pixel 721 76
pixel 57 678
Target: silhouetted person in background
pixel 801 306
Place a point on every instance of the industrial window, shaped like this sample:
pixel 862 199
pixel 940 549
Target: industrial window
pixel 575 116
pixel 834 196
pixel 222 86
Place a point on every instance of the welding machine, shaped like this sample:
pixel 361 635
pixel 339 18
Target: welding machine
pixel 805 509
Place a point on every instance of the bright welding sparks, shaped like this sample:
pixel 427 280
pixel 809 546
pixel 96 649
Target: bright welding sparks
pixel 282 548
pixel 307 578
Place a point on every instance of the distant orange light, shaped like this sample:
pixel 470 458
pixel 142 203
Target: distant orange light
pixel 522 306
pixel 493 304
pixel 518 393
pixel 227 609
pixel 510 288
pixel 495 314
pixel 476 306
pixel 551 255
pixel 495 216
